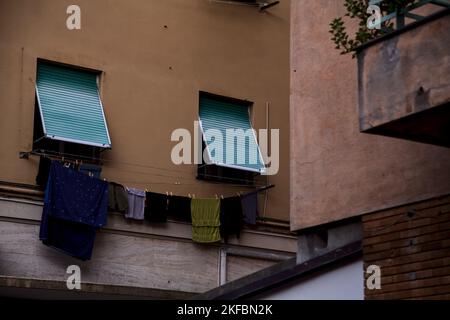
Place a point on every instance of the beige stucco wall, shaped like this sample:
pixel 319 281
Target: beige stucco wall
pixel 152 77
pixel 336 171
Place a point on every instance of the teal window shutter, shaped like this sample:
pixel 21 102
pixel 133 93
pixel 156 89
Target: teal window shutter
pixel 70 105
pixel 239 145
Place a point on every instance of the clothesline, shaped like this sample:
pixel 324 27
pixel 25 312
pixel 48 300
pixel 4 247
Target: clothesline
pixel 60 157
pixel 259 188
pixel 179 184
pixel 89 159
pixel 76 205
pixel 74 159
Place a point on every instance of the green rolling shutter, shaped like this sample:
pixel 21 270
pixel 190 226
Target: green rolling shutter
pixel 70 105
pixel 240 150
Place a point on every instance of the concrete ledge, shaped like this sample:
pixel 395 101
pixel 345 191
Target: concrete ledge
pixel 404 83
pixel 29 211
pixel 51 289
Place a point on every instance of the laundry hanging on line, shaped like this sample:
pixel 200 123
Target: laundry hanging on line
pixel 155 207
pixel 179 207
pixel 91 170
pixel 231 217
pixel 117 197
pixel 136 204
pixel 75 206
pixel 44 170
pixel 249 203
pixel 205 220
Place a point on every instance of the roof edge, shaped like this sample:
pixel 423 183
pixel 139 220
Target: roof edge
pixel 279 274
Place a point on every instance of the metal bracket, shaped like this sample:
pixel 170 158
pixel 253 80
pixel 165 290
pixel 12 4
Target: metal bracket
pixel 24 155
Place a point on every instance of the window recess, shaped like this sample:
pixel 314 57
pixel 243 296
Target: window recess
pixel 69 115
pixel 238 158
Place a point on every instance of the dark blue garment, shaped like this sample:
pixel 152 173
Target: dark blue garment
pixel 67 215
pixel 74 239
pixel 75 197
pixel 91 170
pixel 249 203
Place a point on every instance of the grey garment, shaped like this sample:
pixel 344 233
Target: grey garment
pixel 249 203
pixel 136 204
pixel 117 198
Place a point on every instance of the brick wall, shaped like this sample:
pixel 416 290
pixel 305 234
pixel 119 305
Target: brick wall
pixel 411 244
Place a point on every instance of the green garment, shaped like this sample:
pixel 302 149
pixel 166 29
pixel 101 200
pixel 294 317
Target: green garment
pixel 117 198
pixel 205 220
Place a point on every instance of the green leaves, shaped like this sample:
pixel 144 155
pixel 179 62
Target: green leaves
pixel 357 9
pixel 340 36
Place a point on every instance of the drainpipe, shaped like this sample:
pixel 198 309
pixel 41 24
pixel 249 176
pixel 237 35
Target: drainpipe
pixel 222 267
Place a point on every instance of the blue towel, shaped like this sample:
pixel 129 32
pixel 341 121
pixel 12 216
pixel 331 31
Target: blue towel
pixel 75 206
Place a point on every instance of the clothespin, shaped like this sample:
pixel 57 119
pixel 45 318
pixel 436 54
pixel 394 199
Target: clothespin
pixel 146 190
pixel 217 197
pixel 193 196
pixel 167 193
pixel 189 195
pixel 221 196
pixel 171 194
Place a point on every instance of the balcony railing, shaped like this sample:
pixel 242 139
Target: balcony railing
pixel 400 16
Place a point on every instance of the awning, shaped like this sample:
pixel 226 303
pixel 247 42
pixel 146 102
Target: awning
pixel 231 118
pixel 70 105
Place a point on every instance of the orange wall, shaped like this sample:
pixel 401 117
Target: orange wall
pixel 152 76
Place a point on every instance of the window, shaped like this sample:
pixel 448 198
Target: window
pixel 69 115
pixel 229 140
pixel 262 5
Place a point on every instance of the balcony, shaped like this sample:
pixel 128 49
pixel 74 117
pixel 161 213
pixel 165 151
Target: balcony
pixel 404 81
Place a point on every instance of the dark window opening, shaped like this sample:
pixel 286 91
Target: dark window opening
pixel 224 174
pixel 212 172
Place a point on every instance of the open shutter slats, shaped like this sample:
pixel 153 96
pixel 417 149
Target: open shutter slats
pixel 223 115
pixel 70 105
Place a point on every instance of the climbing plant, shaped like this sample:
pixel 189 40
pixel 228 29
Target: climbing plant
pixel 357 9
